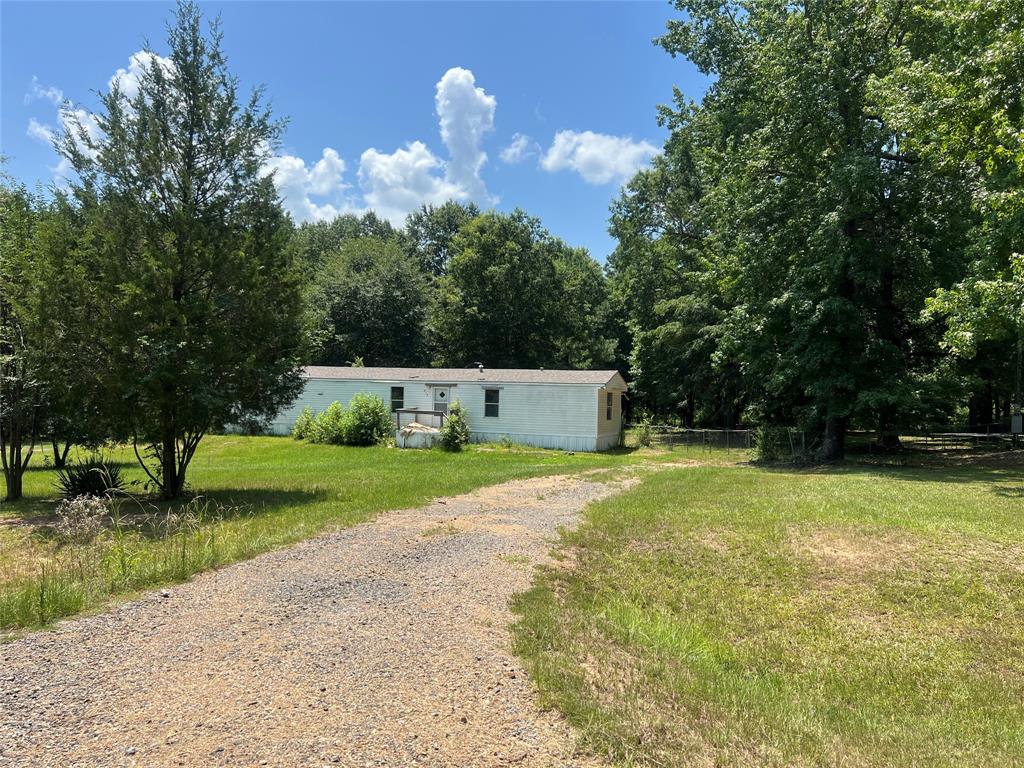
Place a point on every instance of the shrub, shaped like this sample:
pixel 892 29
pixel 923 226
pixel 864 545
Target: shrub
pixel 455 431
pixel 367 420
pixel 328 427
pixel 80 519
pixel 92 477
pixel 644 433
pixel 770 443
pixel 303 424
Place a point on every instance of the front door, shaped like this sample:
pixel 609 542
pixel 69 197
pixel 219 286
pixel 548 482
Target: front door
pixel 441 395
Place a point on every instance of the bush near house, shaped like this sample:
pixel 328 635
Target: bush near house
pixel 367 421
pixel 455 430
pixel 303 424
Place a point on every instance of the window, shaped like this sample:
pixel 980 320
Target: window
pixel 491 397
pixel 608 406
pixel 397 398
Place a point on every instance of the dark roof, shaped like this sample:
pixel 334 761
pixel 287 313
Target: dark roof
pixel 457 375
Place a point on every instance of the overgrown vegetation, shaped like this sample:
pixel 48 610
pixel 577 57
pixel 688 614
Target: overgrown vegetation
pixel 366 421
pixel 740 616
pixel 837 213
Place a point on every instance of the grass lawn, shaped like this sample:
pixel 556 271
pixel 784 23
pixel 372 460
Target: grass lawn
pixel 257 493
pixel 863 616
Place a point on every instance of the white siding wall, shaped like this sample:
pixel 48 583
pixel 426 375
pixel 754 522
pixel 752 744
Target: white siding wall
pixel 320 393
pixel 546 415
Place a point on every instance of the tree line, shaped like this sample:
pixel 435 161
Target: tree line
pixel 831 239
pixel 833 236
pixel 164 293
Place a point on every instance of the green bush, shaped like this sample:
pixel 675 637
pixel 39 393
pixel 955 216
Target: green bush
pixel 367 420
pixel 93 477
pixel 644 433
pixel 328 427
pixel 455 430
pixel 303 424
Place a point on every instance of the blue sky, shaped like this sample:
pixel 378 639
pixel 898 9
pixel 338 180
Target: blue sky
pixel 543 106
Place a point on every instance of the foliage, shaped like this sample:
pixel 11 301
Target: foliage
pixel 93 477
pixel 370 300
pixel 329 426
pixel 955 94
pixel 303 424
pixel 822 616
pixel 367 420
pixel 778 257
pixel 455 430
pixel 80 517
pixel 516 297
pixel 430 233
pixel 313 242
pixel 201 323
pixel 644 432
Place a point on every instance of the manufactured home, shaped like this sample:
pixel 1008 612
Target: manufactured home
pixel 572 410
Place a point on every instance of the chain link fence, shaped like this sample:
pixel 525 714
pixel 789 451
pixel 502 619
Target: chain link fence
pixel 796 444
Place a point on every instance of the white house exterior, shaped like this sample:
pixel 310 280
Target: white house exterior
pixel 572 410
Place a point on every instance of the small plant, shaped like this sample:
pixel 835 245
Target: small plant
pixel 80 519
pixel 367 420
pixel 92 477
pixel 507 443
pixel 303 424
pixel 455 431
pixel 644 433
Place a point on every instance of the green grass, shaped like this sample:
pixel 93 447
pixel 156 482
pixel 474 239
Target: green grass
pixel 867 616
pixel 261 492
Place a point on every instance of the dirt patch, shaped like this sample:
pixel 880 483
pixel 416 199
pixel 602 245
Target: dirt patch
pixel 379 645
pixel 844 552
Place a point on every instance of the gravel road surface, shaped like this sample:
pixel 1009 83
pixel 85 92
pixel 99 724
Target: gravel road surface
pixel 385 644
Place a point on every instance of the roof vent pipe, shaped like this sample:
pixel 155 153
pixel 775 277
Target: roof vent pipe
pixel 479 366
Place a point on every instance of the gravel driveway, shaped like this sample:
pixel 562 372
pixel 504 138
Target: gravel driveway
pixel 383 644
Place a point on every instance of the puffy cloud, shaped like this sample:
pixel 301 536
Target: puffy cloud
pixel 298 183
pixel 40 131
pixel 597 157
pixel 466 113
pixel 128 79
pixel 521 148
pixel 395 184
pixel 50 93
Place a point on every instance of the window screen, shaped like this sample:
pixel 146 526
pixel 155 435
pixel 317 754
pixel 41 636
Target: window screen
pixel 491 398
pixel 608 406
pixel 397 398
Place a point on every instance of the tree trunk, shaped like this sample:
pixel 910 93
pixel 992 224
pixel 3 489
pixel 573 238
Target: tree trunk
pixel 170 482
pixel 833 446
pixel 60 458
pixel 13 480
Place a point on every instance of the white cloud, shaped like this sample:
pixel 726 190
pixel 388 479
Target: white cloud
pixel 521 148
pixel 298 184
pixel 597 157
pixel 466 113
pixel 49 93
pixel 40 131
pixel 395 184
pixel 128 79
